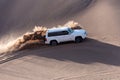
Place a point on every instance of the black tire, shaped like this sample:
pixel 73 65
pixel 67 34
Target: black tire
pixel 78 39
pixel 54 43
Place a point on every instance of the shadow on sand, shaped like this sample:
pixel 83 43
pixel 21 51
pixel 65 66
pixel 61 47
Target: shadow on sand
pixel 90 51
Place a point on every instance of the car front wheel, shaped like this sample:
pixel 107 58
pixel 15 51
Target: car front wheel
pixel 78 39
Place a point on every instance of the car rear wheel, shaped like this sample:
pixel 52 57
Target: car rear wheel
pixel 54 43
pixel 78 39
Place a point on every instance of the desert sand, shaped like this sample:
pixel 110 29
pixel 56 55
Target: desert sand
pixel 97 58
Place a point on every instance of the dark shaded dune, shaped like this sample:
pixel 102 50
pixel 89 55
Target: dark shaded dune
pixel 73 9
pixel 88 52
pixel 21 16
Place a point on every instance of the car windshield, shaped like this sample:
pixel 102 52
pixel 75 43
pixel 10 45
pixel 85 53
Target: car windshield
pixel 70 30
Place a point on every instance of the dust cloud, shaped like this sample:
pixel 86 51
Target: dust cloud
pixel 36 36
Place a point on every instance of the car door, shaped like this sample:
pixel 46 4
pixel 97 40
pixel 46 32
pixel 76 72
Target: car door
pixel 59 36
pixel 66 36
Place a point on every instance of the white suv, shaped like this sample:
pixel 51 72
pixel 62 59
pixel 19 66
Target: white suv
pixel 64 34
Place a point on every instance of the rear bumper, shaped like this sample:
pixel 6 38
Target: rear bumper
pixel 46 42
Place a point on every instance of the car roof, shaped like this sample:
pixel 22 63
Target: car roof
pixel 57 29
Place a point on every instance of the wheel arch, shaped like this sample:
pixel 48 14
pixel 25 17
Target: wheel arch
pixel 78 37
pixel 54 40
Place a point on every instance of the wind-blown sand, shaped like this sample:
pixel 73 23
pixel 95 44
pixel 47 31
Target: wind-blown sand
pixel 97 58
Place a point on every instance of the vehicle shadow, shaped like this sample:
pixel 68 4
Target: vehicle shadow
pixel 87 52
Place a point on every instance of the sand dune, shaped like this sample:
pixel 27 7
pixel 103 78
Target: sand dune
pixel 20 16
pixel 97 58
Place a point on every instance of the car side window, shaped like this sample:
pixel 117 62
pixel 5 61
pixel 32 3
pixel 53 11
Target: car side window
pixel 60 33
pixel 65 32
